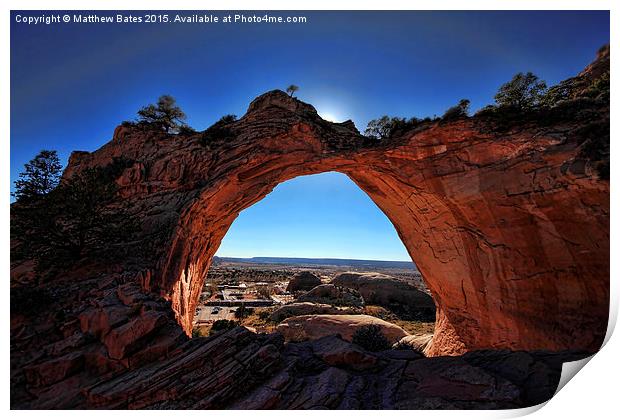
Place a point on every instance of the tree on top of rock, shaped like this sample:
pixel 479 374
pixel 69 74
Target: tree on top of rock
pixel 165 114
pixel 525 90
pixel 41 175
pixel 292 89
pixel 379 128
pixel 386 127
pixel 461 110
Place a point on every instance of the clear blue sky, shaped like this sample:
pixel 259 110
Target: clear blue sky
pixel 324 215
pixel 72 84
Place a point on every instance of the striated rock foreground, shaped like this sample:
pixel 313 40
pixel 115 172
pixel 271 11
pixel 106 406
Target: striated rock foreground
pixel 241 370
pixel 508 222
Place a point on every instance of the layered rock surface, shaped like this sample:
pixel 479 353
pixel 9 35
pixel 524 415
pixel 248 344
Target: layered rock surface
pixel 509 227
pixel 241 370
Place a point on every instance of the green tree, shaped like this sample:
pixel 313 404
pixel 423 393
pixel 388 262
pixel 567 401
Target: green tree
pixel 165 114
pixel 78 217
pixel 379 128
pixel 460 110
pixel 41 175
pixel 385 127
pixel 524 91
pixel 556 94
pixel 292 89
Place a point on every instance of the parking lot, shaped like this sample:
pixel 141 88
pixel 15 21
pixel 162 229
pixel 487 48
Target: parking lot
pixel 209 314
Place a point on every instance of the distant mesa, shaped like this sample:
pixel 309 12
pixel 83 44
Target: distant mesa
pixel 338 262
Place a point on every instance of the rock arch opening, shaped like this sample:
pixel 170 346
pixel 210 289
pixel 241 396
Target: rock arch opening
pixel 321 227
pixel 316 216
pixel 510 231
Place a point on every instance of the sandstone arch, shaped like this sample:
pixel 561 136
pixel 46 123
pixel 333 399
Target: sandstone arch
pixel 509 225
pixel 509 231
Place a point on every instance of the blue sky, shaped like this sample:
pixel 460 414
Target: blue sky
pixel 72 84
pixel 324 215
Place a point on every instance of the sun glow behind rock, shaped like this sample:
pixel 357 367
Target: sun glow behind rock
pixel 331 112
pixel 328 116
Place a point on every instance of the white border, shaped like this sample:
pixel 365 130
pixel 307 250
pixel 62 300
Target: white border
pixel 593 394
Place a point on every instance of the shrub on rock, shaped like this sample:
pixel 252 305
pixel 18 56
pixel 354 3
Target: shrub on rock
pixel 219 131
pixel 222 325
pixel 524 90
pixel 371 338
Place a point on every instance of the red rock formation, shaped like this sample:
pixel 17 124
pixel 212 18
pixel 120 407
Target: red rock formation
pixel 507 222
pixel 510 230
pixel 304 280
pixel 308 308
pixel 389 292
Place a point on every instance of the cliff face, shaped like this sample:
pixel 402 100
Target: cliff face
pixel 509 227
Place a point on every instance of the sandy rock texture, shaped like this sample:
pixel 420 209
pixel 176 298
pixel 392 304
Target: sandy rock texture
pixel 333 295
pixel 311 327
pixel 303 281
pixel 387 291
pixel 308 308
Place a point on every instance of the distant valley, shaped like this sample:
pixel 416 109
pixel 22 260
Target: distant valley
pixel 303 262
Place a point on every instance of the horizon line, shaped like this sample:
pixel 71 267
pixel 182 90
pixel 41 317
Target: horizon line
pixel 317 258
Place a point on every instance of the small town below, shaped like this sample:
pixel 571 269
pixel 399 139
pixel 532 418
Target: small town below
pixel 277 294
